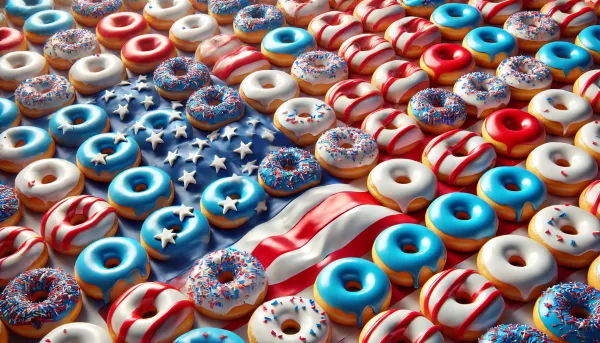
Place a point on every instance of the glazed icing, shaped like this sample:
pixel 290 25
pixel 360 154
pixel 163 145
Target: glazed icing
pixel 167 74
pixel 410 31
pixel 258 17
pixel 436 106
pixel 297 9
pixel 492 41
pixel 319 67
pixel 96 9
pixel 59 91
pixel 589 134
pixel 284 87
pixel 570 13
pixel 405 133
pixel 482 90
pixel 334 26
pixel 9 117
pixel 456 16
pixel 63 124
pixel 241 61
pixel 23 9
pixel 21 65
pixel 446 58
pixel 209 335
pixel 71 45
pixel 29 180
pixel 37 141
pixel 552 54
pixel 230 104
pixel 588 38
pixel 249 191
pixel 273 174
pixel 374 14
pixel 133 50
pixel 195 28
pixel 514 333
pixel 366 50
pixel 532 26
pixel 321 116
pixel 592 196
pixel 78 331
pixel 491 9
pixel 125 153
pixel 170 10
pixel 103 70
pixel 548 104
pixel 582 166
pixel 122 188
pixel 227 7
pixel 529 128
pixel 511 71
pixel 363 150
pixel 217 46
pixel 589 86
pixel 399 324
pixel 397 79
pixel 354 99
pixel 288 41
pixel 26 246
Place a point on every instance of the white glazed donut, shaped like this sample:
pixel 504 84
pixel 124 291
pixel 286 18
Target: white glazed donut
pixel 570 15
pixel 561 112
pixel 174 314
pixel 303 120
pixel 395 132
pixel 300 13
pixel 333 28
pixel 377 15
pixel 18 66
pixel 416 328
pixel 565 179
pixel 587 139
pixel 94 73
pixel 352 100
pixel 496 12
pixel 290 312
pixel 193 29
pixel 569 232
pixel 460 321
pixel 75 222
pixel 167 11
pixel 399 80
pixel 588 87
pixel 410 36
pixel 525 75
pixel 281 88
pixel 477 157
pixel 29 251
pixel 364 53
pixel 536 269
pixel 416 190
pixel 77 332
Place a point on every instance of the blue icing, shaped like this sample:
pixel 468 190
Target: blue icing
pixel 388 247
pixel 22 9
pixel 65 130
pixel 160 121
pixel 49 22
pixel 228 7
pixel 514 333
pixel 196 75
pixel 192 236
pixel 419 3
pixel 258 18
pixel 457 16
pixel 122 188
pixel 532 190
pixel 230 105
pixel 590 38
pixel 37 141
pixel 91 269
pixel 375 286
pixel 481 38
pixel 288 40
pixel 273 173
pixel 564 56
pixel 124 153
pixel 209 335
pixel 443 211
pixel 9 113
pixel 249 191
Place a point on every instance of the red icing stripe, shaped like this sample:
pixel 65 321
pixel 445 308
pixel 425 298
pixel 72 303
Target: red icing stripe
pixel 596 203
pixel 398 332
pixel 584 87
pixel 499 6
pixel 8 242
pixel 239 57
pixel 378 322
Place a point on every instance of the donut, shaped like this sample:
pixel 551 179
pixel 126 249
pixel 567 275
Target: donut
pixel 565 169
pixel 532 30
pixel 562 113
pixel 402 185
pixel 60 302
pixel 18 11
pixel 483 93
pixel 572 15
pixel 22 145
pixel 568 312
pixel 304 120
pixel 437 110
pixel 116 29
pixel 525 76
pixel 234 66
pixel 22 248
pixel 299 13
pixel 456 20
pixel 378 15
pixel 514 333
pixel 75 222
pixel 317 71
pixel 9 115
pixel 42 25
pixel 394 131
pixel 200 5
pixel 283 45
pixel 396 324
pixel 169 314
pixel 496 12
pixel 490 45
pixel 275 176
pixel 191 232
pixel 252 23
pixel 586 139
pixel 161 14
pixel 10 207
pixel 411 36
pixel 209 335
pixel 267 90
pixel 90 12
pixel 333 28
pixel 399 80
pixel 365 52
pixel 347 152
pixel 409 254
pixel 566 61
pixel 70 126
pixel 420 8
pixel 78 331
pixel 107 267
pixel 292 319
pixel 142 54
pixel 11 40
pixel 178 77
pixel 103 156
pixel 353 100
pixel 593 277
pixel 445 63
pixel 224 11
pixel 343 5
pixel 32 102
pixel 187 32
pixel 589 199
pixel 63 48
pixel 588 39
pixel 588 87
pixel 18 66
pixel 210 50
pixel 205 116
pixel 95 73
pixel 533 4
pixel 227 284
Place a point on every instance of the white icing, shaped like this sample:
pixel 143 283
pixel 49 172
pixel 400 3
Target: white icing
pixel 560 16
pixel 522 79
pixel 297 9
pixel 284 86
pixel 344 159
pixel 592 91
pixel 289 116
pixel 582 166
pixel 365 99
pixel 104 70
pixel 426 35
pixel 359 51
pixel 77 332
pixel 29 180
pixel 21 65
pixel 241 69
pixel 465 89
pixel 28 246
pixel 195 28
pixel 51 47
pixel 373 12
pixel 577 109
pixel 375 125
pixel 589 134
pixel 515 6
pixel 217 46
pixel 533 32
pixel 400 85
pixel 334 25
pixel 16 154
pixel 380 328
pixel 170 10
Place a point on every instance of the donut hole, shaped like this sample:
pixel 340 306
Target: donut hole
pixel 38 296
pixel 290 327
pixel 445 55
pixel 511 124
pixel 304 115
pixel 568 229
pixel 289 167
pixel 18 65
pixel 517 261
pixel 148 312
pixel 31 2
pixel 166 3
pixel 410 249
pixel 489 39
pixel 560 107
pixel 462 215
pixel 346 145
pixel 108 151
pixel 48 179
pixel 4 34
pixel 45 89
pixel 352 96
pixel 147 45
pixel 180 72
pixel 225 277
pixel 20 143
pixel 462 298
pixel 562 54
pixel 140 188
pixel 269 86
pixel 579 312
pixel 78 219
pixel 122 21
pixel 112 263
pixel 454 13
pixel 460 153
pixel 288 38
pixel 214 102
pixel 512 187
pixel 78 121
pixel 562 162
pixel 403 180
pixel 353 286
pixel 235 196
pixel 390 126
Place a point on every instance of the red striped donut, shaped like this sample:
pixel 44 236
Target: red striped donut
pixel 398 325
pixel 353 100
pixel 377 15
pixel 496 12
pixel 399 80
pixel 395 132
pixel 572 15
pixel 364 53
pixel 411 36
pixel 331 29
pixel 24 250
pixel 234 66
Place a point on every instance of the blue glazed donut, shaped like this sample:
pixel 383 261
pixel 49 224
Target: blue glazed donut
pixel 510 203
pixel 157 121
pixel 9 114
pixel 283 45
pixel 205 116
pixel 224 11
pixel 124 154
pixel 456 20
pixel 279 180
pixel 18 11
pixel 514 333
pixel 191 232
pixel 463 221
pixel 209 335
pixel 437 110
pixel 172 85
pixel 589 39
pixel 252 23
pixel 409 249
pixel 490 45
pixel 335 285
pixel 72 125
pixel 232 201
pixel 40 26
pixel 36 143
pixel 137 192
pixel 109 266
pixel 566 61
pixel 554 313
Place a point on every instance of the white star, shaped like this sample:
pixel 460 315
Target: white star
pixel 228 204
pixel 139 86
pixel 137 127
pixel 201 143
pixel 65 127
pixel 268 135
pixel 99 158
pixel 171 157
pixel 187 178
pixel 166 237
pixel 108 95
pixel 122 111
pixel 128 97
pixel 261 206
pixel 219 163
pixel 193 157
pixel 244 149
pixel 175 115
pixel 249 167
pixel 229 132
pixel 142 78
pixel 253 122
pixel 175 105
pixel 120 137
pixel 124 83
pixel 183 211
pixel 155 138
pixel 180 131
pixel 235 178
pixel 213 135
pixel 148 101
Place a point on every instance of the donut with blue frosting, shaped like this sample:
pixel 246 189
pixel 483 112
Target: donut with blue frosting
pixel 253 22
pixel 89 13
pixel 456 20
pixel 283 45
pixel 514 333
pixel 41 25
pixel 10 206
pixel 205 116
pixel 22 145
pixel 565 60
pixel 437 110
pixel 102 157
pixel 9 115
pixel 490 45
pixel 288 171
pixel 224 11
pixel 589 39
pixel 18 11
pixel 72 125
pixel 32 102
pixel 177 78
pixel 209 335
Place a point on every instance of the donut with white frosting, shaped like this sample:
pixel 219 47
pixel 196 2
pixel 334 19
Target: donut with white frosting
pixel 364 53
pixel 266 90
pixel 303 120
pixel 525 76
pixel 572 15
pixel 561 112
pixel 333 28
pixel 347 152
pixel 352 100
pixel 188 32
pixel 94 73
pixel 588 87
pixel 496 12
pixel 396 324
pixel 395 132
pixel 63 48
pixel 234 66
pixel 210 50
pixel 18 66
pixel 78 332
pixel 27 250
pixel 589 199
pixel 300 12
pixel 378 15
pixel 399 80
pixel 410 36
pixel 587 139
pixel 162 14
pixel 483 93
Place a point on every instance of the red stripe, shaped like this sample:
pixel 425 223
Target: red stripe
pixel 159 321
pixel 460 331
pixel 398 332
pixel 378 322
pixel 596 202
pixel 399 135
pixel 584 87
pixel 432 330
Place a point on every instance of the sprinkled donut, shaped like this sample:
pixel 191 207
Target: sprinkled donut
pixel 525 76
pixel 333 28
pixel 399 80
pixel 224 11
pixel 532 29
pixel 317 71
pixel 234 66
pixel 116 29
pixel 10 207
pixel 394 131
pixel 587 139
pixel 410 36
pixel 267 90
pixel 588 39
pixel 210 50
pixel 9 115
pixel 205 116
pixel 142 54
pixel 514 333
pixel 445 63
pixel 89 12
pixel 87 332
pixel 42 95
pixel 303 120
pixel 437 110
pixel 177 78
pixel 566 61
pixel 187 32
pixel 483 93
pixel 18 66
pixel 92 74
pixel 396 324
pixel 588 87
pixel 562 113
pixel 347 152
pixel 513 133
pixel 63 48
pixel 96 164
pixel 209 335
pixel 572 15
pixel 26 251
pixel 490 45
pixel 365 52
pixel 276 178
pixel 299 13
pixel 252 23
pixel 162 14
pixel 38 145
pixel 378 15
pixel 283 45
pixel 353 100
pixel 496 12
pixel 41 25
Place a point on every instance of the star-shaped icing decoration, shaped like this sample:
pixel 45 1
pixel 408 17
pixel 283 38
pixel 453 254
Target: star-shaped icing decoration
pixel 193 157
pixel 137 127
pixel 65 127
pixel 108 95
pixel 120 137
pixel 228 204
pixel 183 211
pixel 180 131
pixel 261 206
pixel 175 115
pixel 230 132
pixel 268 135
pixel 122 111
pixel 148 101
pixel 200 143
pixel 139 86
pixel 244 149
pixel 128 97
pixel 175 105
pixel 253 122
pixel 219 163
pixel 155 139
pixel 235 178
pixel 213 135
pixel 100 158
pixel 165 237
pixel 249 167
pixel 124 83
pixel 187 178
pixel 142 78
pixel 172 156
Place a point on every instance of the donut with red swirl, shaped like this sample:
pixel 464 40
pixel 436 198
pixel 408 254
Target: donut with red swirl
pixel 299 13
pixel 396 324
pixel 445 63
pixel 589 199
pixel 395 132
pixel 496 12
pixel 233 67
pixel 333 28
pixel 353 100
pixel 210 50
pixel 399 80
pixel 378 15
pixel 513 133
pixel 411 36
pixel 572 15
pixel 588 87
pixel 23 250
pixel 364 53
